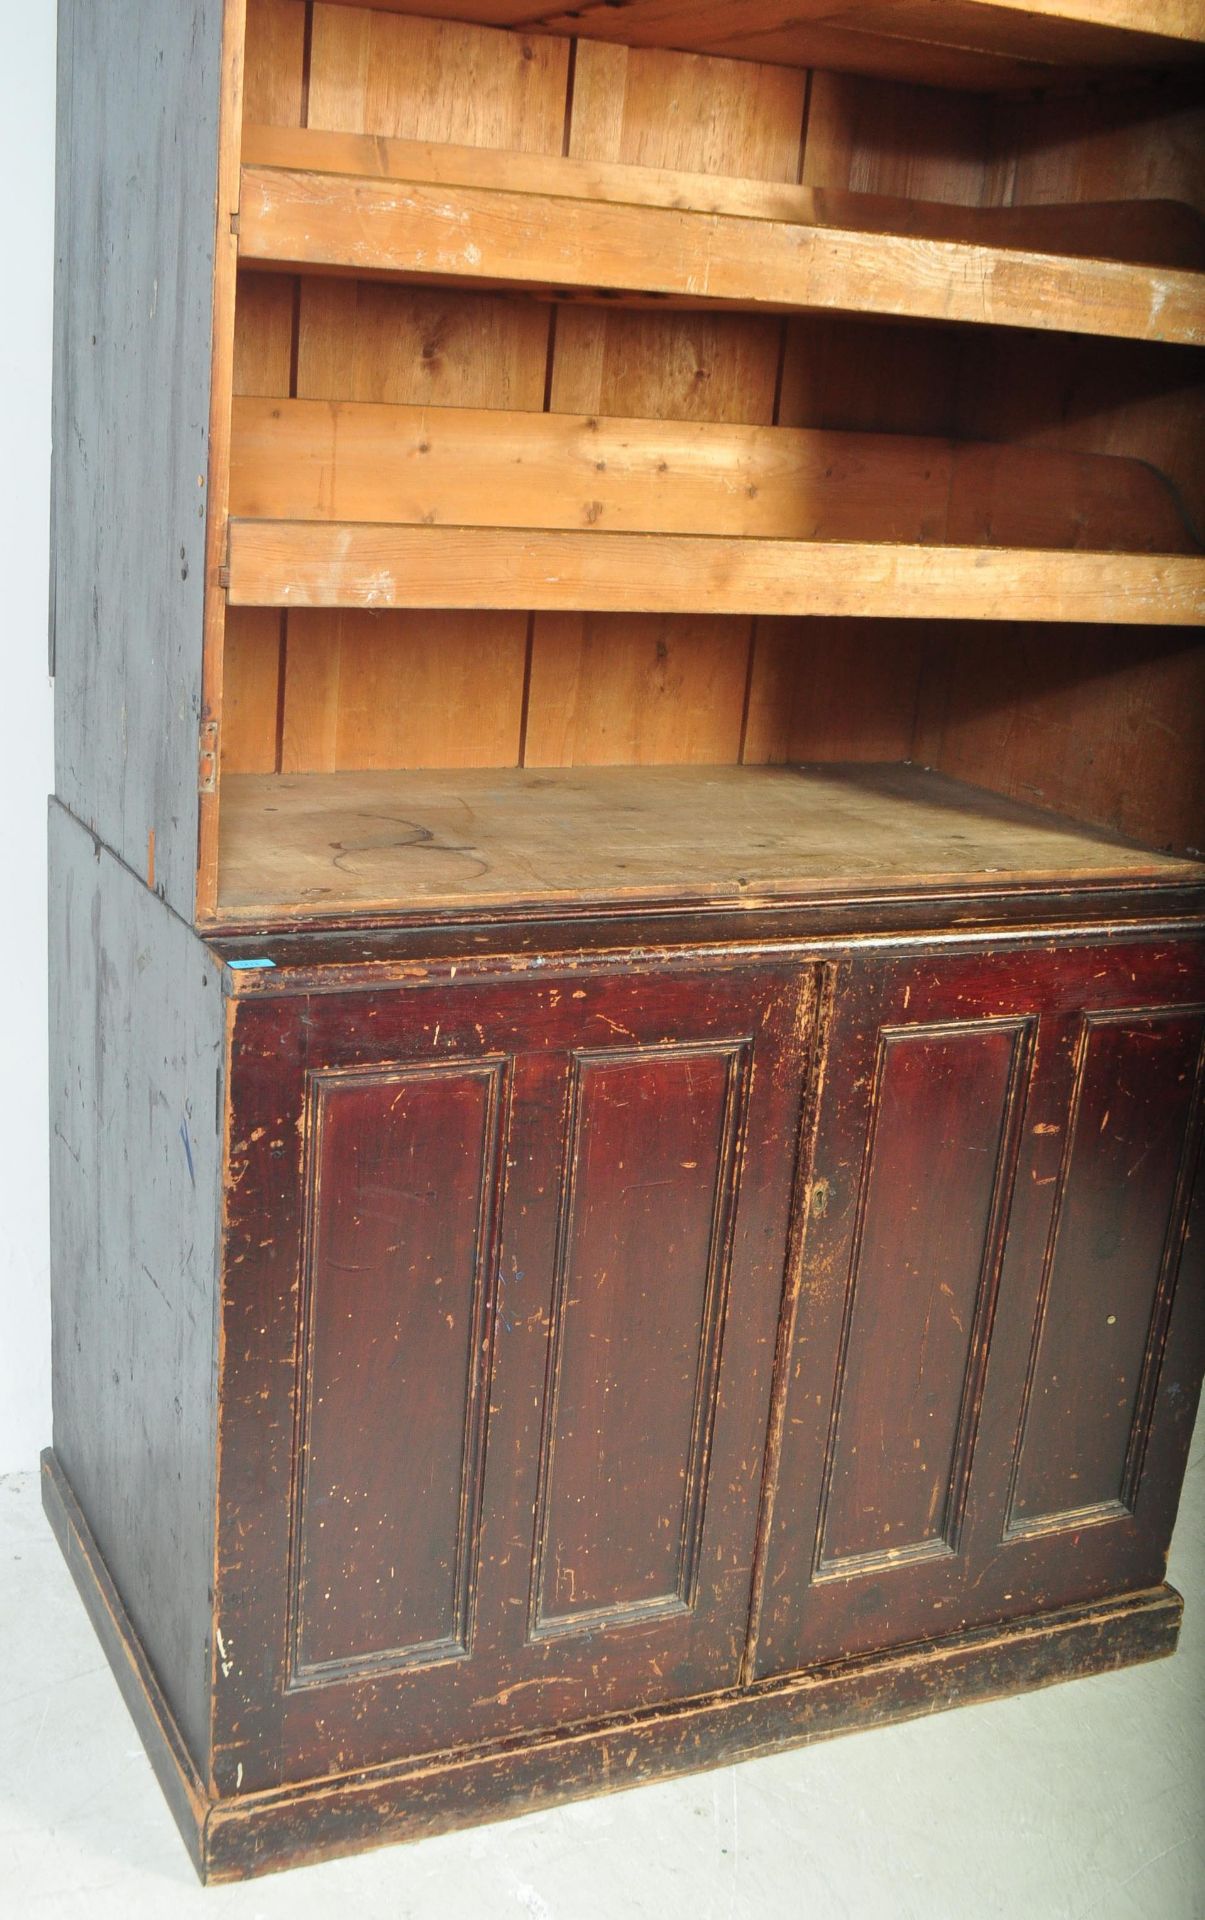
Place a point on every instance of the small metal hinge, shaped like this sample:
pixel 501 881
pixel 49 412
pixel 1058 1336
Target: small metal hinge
pixel 207 772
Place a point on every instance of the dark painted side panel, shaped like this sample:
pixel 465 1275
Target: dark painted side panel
pixel 137 185
pixel 137 1052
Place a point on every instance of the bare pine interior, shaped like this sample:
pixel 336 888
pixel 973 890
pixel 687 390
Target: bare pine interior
pixel 676 535
pixel 673 529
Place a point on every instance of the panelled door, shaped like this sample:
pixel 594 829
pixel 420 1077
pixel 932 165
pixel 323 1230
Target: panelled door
pixel 505 1270
pixel 985 1398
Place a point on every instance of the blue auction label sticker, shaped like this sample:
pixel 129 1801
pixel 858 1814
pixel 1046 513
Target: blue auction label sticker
pixel 250 966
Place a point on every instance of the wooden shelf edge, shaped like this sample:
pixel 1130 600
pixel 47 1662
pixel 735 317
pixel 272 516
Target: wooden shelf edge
pixel 1163 232
pixel 564 227
pixel 354 565
pixel 321 460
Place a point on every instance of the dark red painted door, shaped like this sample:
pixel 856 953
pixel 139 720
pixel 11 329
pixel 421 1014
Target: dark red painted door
pixel 986 1392
pixel 505 1273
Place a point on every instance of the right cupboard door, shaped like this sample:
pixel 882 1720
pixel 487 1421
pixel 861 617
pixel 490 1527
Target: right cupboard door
pixel 985 1407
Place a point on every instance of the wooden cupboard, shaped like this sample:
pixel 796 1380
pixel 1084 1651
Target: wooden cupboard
pixel 1002 1168
pixel 611 1211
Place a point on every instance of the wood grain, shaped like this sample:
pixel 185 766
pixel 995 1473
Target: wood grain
pixel 335 564
pixel 976 44
pixel 834 690
pixel 462 467
pixel 136 1157
pixel 1102 725
pixel 968 1074
pixel 216 480
pixel 255 641
pixel 499 237
pixel 403 690
pixel 417 79
pixel 430 839
pixel 670 688
pixel 454 695
pixel 633 690
pixel 134 339
pixel 251 690
pixel 938 202
pixel 274 64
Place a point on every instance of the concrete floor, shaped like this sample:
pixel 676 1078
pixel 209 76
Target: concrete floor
pixel 1084 1800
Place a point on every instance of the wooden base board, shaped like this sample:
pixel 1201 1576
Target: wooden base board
pixel 168 1755
pixel 319 1819
pixel 522 839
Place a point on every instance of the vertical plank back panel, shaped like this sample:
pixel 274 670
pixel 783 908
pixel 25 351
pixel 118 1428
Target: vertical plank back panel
pixel 919 143
pixel 847 689
pixel 1101 725
pixel 633 689
pixel 364 690
pixel 274 63
pixel 833 690
pixel 1139 143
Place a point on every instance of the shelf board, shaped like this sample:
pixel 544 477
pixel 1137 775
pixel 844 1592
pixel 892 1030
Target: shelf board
pixel 278 563
pixel 353 204
pixel 319 460
pixel 484 839
pixel 986 44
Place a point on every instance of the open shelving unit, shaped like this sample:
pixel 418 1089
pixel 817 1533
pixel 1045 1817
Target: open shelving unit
pixel 590 400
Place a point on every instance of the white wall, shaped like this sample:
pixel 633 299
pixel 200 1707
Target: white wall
pixel 27 75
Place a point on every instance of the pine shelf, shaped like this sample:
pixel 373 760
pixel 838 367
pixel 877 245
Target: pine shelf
pixel 280 563
pixel 350 203
pixel 354 505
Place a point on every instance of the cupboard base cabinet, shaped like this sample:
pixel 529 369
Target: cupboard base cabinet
pixel 502 1366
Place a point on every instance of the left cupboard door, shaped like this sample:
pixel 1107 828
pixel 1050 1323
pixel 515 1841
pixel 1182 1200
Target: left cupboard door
pixel 504 1270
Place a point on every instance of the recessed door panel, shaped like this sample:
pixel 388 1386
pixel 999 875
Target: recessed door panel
pixel 926 1255
pixel 398 1272
pixel 1102 1310
pixel 643 1269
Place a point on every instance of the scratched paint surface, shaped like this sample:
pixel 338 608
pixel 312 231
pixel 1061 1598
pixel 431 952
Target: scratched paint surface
pixel 1077 1803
